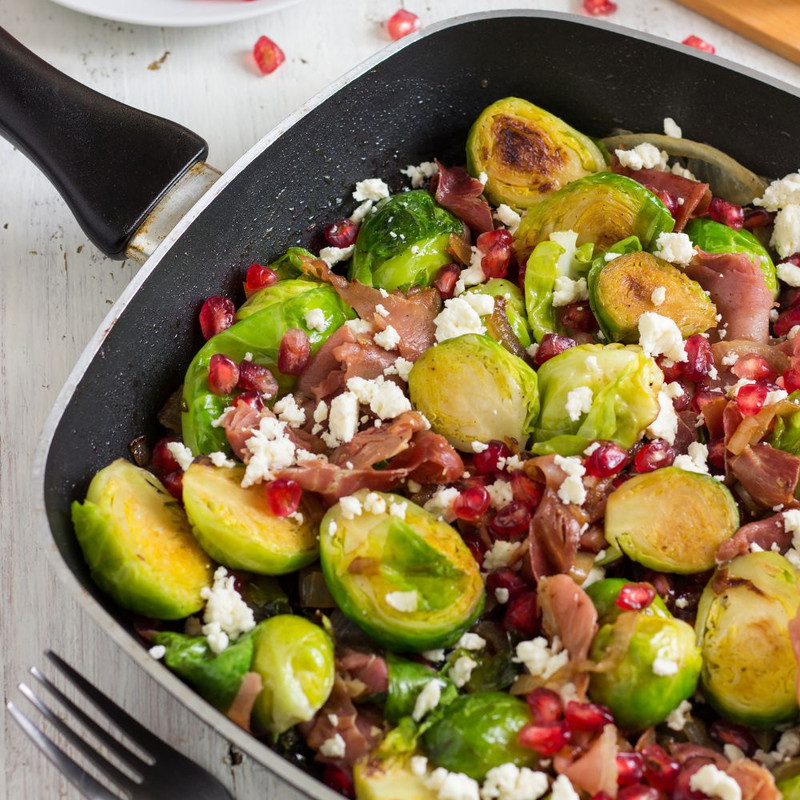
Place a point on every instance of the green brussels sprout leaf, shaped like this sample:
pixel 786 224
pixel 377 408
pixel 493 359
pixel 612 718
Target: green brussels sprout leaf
pixel 406 680
pixel 270 295
pixel 515 305
pixel 786 432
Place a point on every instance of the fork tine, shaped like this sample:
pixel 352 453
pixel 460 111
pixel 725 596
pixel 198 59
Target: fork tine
pixel 113 744
pixel 99 761
pixel 75 774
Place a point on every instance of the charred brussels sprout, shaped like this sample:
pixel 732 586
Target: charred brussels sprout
pixel 621 290
pixel 390 779
pixel 602 209
pixel 515 305
pixel 295 660
pixel 138 544
pixel 478 732
pixel 658 670
pixel 410 583
pixel 749 669
pixel 404 243
pixel 714 237
pixel 527 152
pixel 671 520
pixel 270 295
pixel 604 593
pixel 472 389
pixel 235 527
pixel 259 334
pixel 624 385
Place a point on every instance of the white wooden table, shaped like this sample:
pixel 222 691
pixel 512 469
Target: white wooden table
pixel 55 289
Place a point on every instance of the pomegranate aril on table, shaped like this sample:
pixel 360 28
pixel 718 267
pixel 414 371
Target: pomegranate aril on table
pixel 402 23
pixel 699 44
pixel 599 8
pixel 268 56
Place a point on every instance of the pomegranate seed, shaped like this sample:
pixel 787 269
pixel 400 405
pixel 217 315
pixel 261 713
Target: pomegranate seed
pixel 523 268
pixel 787 321
pixel 700 358
pixel 667 198
pixel 163 461
pixel 254 377
pixel 757 218
pixel 671 369
pixel 638 792
pixel 716 453
pixel 599 8
pixel 578 317
pixel 660 770
pixel 223 374
pixel 620 479
pixel 486 461
pixel 606 460
pixel 545 705
pixel 294 352
pixel 683 400
pixel 216 315
pixel 472 503
pixel 635 596
pixel 268 55
pixel 283 496
pixel 551 345
pixel 545 739
pixel 727 213
pixel 522 614
pixel 495 249
pixel 341 233
pixel 511 521
pixel 654 455
pixel 339 780
pixel 703 396
pixel 699 44
pixel 730 733
pixel 252 398
pixel 258 277
pixel 791 379
pixel 173 483
pixel 750 398
pixel 753 367
pixel 630 768
pixel 401 23
pixel 526 490
pixel 478 549
pixel 446 279
pixel 506 578
pixel 587 716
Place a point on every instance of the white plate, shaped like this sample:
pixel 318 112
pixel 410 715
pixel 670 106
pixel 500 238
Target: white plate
pixel 176 13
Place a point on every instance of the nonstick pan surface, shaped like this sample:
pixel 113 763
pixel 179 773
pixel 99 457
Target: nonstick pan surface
pixel 407 106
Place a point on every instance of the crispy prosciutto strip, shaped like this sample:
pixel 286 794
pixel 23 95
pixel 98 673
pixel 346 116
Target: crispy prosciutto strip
pixel 769 475
pixel 762 532
pixel 372 445
pixel 430 458
pixel 367 668
pixel 755 781
pixel 458 192
pixel 684 752
pixel 596 770
pixel 242 705
pixel 738 290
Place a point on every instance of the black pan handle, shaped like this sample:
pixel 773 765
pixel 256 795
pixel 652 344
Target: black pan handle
pixel 111 163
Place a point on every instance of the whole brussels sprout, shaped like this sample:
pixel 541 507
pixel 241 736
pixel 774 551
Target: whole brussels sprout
pixel 411 583
pixel 604 593
pixel 624 385
pixel 390 779
pixel 658 670
pixel 259 334
pixel 515 305
pixel 527 152
pixel 295 660
pixel 471 388
pixel 404 242
pixel 749 669
pixel 601 208
pixel 478 732
pixel 236 528
pixel 270 295
pixel 138 544
pixel 671 520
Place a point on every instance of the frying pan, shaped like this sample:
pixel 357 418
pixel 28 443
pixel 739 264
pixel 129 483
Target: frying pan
pixel 414 101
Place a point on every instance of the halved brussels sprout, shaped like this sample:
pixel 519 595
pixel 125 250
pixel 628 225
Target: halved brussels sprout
pixel 621 290
pixel 406 680
pixel 601 208
pixel 295 660
pixel 786 432
pixel 527 152
pixel 624 384
pixel 671 520
pixel 390 779
pixel 235 527
pixel 260 334
pixel 515 305
pixel 714 237
pixel 749 669
pixel 658 670
pixel 404 243
pixel 604 593
pixel 138 544
pixel 478 732
pixel 270 295
pixel 788 784
pixel 471 388
pixel 411 584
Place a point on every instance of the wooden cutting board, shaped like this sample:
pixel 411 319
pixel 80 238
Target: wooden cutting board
pixel 774 24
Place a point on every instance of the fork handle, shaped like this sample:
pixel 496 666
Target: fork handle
pixel 111 163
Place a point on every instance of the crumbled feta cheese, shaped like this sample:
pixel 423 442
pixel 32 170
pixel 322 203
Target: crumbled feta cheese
pixel 696 461
pixel 730 359
pixel 473 274
pixel 441 503
pixel 159 651
pixel 471 641
pixel 359 326
pixel 677 169
pixel 457 318
pixel 677 248
pixel 427 699
pixel 181 453
pixel 790 275
pixel 673 390
pixel 387 339
pixel 374 504
pixel 403 367
pixel 435 656
pixel 370 189
pixel 659 295
pixel 219 459
pixel 579 401
pixel 343 422
pixel 562 789
pixel 643 156
pixel 479 447
pixel 591 448
pixel 665 425
pixel 385 398
pixel 594 575
pixel 452 785
pixel 664 666
pixel 671 128
pixel 315 319
pixel 501 554
pixel 568 291
pixel 509 463
pixel 289 412
pixel 713 782
pixel 226 616
pixel 333 719
pixel 572 489
pixel 333 255
pixel 775 397
pixel 420 173
pixel 501 594
pixel 506 215
pixel 381 309
pixel 398 509
pixel 781 193
pixel 789 744
pixel 682 602
pixel 361 212
pixel 419 765
pixel 350 506
pixel 333 747
pixel 500 493
pixel 321 412
pixel 461 671
pixel 660 335
pixel 510 782
pixel 678 717
pixel 540 658
pixel 732 752
pixel 532 350
pixel 403 601
pixel 786 231
pixel 483 178
pixel 271 449
pixel 482 304
pixel 220 420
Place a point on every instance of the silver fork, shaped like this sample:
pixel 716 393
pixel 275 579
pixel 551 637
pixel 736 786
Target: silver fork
pixel 167 774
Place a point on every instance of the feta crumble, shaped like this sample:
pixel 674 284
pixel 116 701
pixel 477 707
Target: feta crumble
pixel 181 453
pixel 350 507
pixel 712 781
pixel 781 193
pixel 420 173
pixel 461 671
pixel 333 255
pixel 159 651
pixel 343 417
pixel 671 128
pixel 384 398
pixel 660 335
pixel 659 295
pixel 452 785
pixel 289 412
pixel 562 789
pixel 398 509
pixel 359 326
pixel 361 212
pixel 388 339
pixel 786 231
pixel 374 504
pixel 219 459
pixel 677 248
pixel 695 461
pixel 315 319
pixel 226 615
pixel 571 489
pixel 403 601
pixel 579 401
pixel 510 782
pixel 381 309
pixel 678 717
pixel 500 493
pixel 664 666
pixel 457 318
pixel 427 699
pixel 665 425
pixel 541 658
pixel 370 189
pixel 483 178
pixel 471 641
pixel 506 215
pixel 333 747
pixel 270 448
pixel 479 447
pixel 441 503
pixel 568 291
pixel 502 595
pixel 501 554
pixel 643 156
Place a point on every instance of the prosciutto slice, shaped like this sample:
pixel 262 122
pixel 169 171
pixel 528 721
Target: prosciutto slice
pixel 738 290
pixel 769 475
pixel 555 533
pixel 596 770
pixel 763 532
pixel 370 670
pixel 457 191
pixel 242 705
pixel 755 781
pixel 370 446
pixel 430 458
